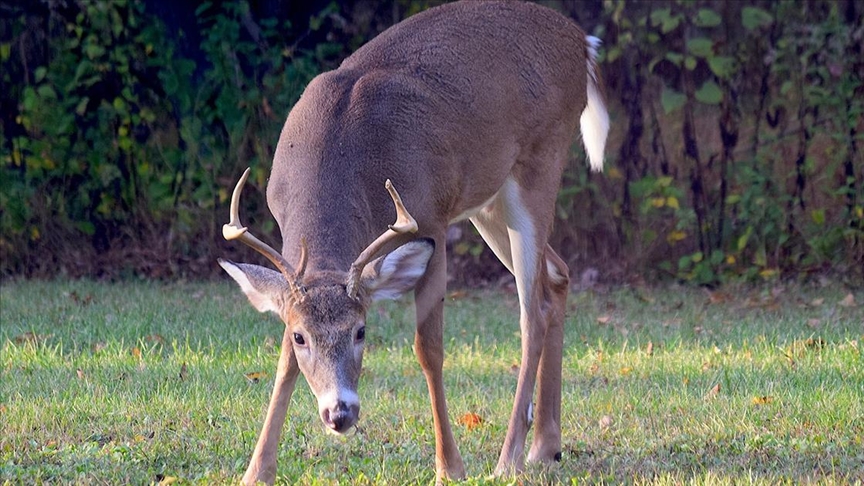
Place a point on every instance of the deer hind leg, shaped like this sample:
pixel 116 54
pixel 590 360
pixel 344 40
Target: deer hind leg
pixel 262 465
pixel 546 446
pixel 516 232
pixel 429 348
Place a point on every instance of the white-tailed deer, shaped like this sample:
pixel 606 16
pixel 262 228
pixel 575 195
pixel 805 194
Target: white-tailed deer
pixel 470 110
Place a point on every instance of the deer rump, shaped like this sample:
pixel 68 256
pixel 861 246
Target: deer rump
pixel 470 110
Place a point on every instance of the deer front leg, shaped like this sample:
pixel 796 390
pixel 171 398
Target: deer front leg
pixel 262 466
pixel 429 348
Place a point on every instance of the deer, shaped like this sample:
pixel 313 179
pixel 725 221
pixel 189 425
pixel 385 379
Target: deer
pixel 469 109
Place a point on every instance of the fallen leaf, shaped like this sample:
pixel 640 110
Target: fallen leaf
pixel 626 370
pixel 471 420
pixel 848 301
pixel 706 365
pixel 183 372
pixel 457 294
pixel 97 346
pixel 717 297
pixel 80 373
pixel 762 400
pixel 514 368
pixel 605 422
pixel 817 302
pixel 649 350
pixel 814 323
pixel 714 391
pixel 136 352
pixel 167 480
pixel 603 320
pixel 155 338
pixel 31 337
pixel 256 376
pixel 82 301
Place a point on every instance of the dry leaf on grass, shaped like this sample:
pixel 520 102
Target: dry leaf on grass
pixel 183 373
pixel 762 400
pixel 165 480
pixel 603 320
pixel 605 422
pixel 82 301
pixel 848 301
pixel 457 294
pixel 136 352
pixel 713 392
pixel 717 297
pixel 471 420
pixel 256 376
pixel 155 338
pixel 649 349
pixel 31 337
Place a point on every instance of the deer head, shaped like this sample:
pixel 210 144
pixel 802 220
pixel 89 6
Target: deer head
pixel 325 312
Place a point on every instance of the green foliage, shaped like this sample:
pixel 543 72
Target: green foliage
pixel 741 157
pixel 124 140
pixel 759 208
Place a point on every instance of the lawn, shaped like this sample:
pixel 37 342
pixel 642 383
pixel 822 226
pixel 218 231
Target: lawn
pixel 137 383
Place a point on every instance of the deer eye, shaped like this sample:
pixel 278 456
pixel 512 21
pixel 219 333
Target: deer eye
pixel 298 339
pixel 361 333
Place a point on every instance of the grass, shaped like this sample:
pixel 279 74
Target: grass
pixel 133 383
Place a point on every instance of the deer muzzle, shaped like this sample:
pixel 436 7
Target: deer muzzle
pixel 339 410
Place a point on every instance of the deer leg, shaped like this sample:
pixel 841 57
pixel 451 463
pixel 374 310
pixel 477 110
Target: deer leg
pixel 516 235
pixel 546 445
pixel 429 347
pixel 262 465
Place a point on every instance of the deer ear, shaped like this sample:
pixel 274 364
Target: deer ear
pixel 399 271
pixel 265 288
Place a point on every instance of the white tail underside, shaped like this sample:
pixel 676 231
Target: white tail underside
pixel 594 121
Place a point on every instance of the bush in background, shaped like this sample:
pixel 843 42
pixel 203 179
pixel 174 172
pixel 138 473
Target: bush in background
pixel 735 151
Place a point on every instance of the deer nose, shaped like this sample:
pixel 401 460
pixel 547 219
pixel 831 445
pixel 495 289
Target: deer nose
pixel 341 417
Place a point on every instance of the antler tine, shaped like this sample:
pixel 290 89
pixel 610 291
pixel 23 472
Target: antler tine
pixel 405 223
pixel 235 230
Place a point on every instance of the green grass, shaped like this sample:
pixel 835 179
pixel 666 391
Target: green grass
pixel 91 388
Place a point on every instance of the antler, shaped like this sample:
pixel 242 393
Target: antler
pixel 405 223
pixel 235 230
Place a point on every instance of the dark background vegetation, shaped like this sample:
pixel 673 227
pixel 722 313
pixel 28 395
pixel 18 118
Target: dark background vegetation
pixel 735 152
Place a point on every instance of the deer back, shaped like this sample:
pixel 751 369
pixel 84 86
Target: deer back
pixel 444 104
